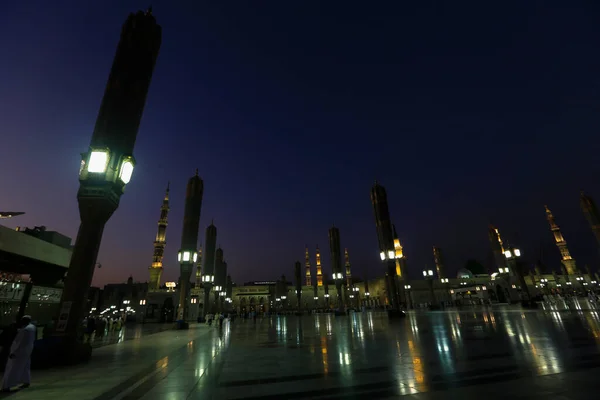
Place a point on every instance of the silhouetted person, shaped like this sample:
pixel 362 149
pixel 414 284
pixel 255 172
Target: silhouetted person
pixel 6 338
pixel 18 367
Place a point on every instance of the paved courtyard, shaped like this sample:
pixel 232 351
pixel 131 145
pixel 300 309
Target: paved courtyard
pixel 491 354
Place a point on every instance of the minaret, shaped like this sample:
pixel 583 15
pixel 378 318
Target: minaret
pixel 199 268
pixel 348 271
pixel 561 243
pixel 188 253
pixel 588 206
pixel 497 246
pixel 439 262
pixel 160 242
pixel 319 269
pixel 399 254
pixel 307 266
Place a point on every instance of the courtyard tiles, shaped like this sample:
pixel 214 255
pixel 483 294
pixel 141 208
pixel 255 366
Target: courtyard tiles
pixel 478 353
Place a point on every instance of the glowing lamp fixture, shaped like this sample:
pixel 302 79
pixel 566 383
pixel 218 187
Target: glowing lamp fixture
pixel 367 294
pixel 428 273
pixel 326 295
pixel 391 254
pixel 444 280
pixel 315 298
pixel 517 252
pixel 185 256
pixel 382 255
pixel 126 170
pixel 507 254
pixel 283 297
pixel 407 287
pixel 208 278
pixel 98 161
pixel 142 302
pixel 195 258
pixel 337 275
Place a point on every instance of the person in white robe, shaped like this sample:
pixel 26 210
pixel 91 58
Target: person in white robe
pixel 18 367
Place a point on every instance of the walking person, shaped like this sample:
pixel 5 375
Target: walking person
pixel 18 367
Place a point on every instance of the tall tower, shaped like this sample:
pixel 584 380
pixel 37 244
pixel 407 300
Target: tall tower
pixel 199 268
pixel 348 271
pixel 439 262
pixel 336 263
pixel 497 246
pixel 208 270
pixel 588 206
pixel 399 254
pixel 387 252
pixel 561 243
pixel 188 254
pixel 319 269
pixel 307 266
pixel 160 242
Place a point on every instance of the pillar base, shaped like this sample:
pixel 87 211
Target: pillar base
pixel 396 314
pixel 180 325
pixel 57 351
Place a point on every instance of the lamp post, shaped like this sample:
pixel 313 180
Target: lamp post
pixel 428 275
pixel 513 257
pixel 107 166
pixel 338 278
pixel 208 271
pixel 298 279
pixel 355 294
pixel 188 253
pixel 444 282
pixel 408 296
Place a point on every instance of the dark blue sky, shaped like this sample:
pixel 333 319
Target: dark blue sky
pixel 467 114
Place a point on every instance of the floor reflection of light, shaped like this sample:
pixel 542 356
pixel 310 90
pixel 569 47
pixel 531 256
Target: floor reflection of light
pixel 163 362
pixel 444 353
pixel 324 355
pixel 406 389
pixel 198 372
pixel 328 324
pixel 591 318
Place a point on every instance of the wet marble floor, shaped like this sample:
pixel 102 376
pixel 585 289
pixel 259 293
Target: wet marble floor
pixel 495 353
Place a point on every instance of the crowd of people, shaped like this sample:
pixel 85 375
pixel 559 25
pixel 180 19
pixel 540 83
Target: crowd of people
pixel 99 327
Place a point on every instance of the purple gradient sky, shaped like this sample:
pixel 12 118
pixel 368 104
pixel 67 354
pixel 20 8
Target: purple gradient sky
pixel 290 110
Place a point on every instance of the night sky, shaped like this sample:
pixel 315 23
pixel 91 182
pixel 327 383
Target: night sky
pixel 290 110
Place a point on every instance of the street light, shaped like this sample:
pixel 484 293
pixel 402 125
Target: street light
pixel 107 166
